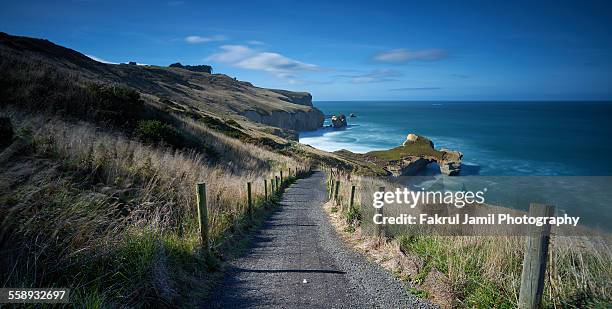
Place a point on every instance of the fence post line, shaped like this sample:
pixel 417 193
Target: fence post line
pixel 249 199
pixel 336 191
pixel 379 211
pixel 281 177
pixel 352 203
pixel 331 187
pixel 534 261
pixel 277 184
pixel 265 189
pixel 202 215
pixel 272 186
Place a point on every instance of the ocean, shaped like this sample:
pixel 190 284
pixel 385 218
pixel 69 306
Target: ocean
pixel 502 143
pixel 496 138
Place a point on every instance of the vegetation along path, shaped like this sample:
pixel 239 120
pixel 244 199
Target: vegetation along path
pixel 296 260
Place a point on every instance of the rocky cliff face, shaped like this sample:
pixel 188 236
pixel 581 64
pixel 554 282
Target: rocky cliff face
pixel 450 164
pixel 299 120
pixel 301 98
pixel 407 166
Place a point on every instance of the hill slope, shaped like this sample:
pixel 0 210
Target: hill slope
pixel 168 87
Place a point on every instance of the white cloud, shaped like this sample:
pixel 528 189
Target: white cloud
pixel 376 76
pixel 196 39
pixel 402 55
pixel 232 54
pixel 255 42
pixel 247 58
pixel 100 59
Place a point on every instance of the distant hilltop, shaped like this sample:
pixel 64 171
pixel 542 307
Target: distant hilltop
pixel 195 68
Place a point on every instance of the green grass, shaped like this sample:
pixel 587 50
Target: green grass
pixel 418 293
pixel 477 291
pixel 421 147
pixel 155 131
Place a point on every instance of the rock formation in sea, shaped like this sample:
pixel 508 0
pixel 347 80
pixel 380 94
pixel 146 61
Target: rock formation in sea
pixel 413 156
pixel 338 121
pixel 450 164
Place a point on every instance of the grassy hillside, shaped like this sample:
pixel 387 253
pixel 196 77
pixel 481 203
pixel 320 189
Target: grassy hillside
pixel 114 217
pixel 97 186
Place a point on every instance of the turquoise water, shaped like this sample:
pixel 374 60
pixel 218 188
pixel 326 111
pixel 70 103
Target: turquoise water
pixel 497 138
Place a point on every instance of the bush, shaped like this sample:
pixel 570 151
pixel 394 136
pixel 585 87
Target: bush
pixel 154 131
pixel 118 104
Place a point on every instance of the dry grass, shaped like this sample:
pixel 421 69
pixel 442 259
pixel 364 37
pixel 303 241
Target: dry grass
pixel 115 219
pixel 485 271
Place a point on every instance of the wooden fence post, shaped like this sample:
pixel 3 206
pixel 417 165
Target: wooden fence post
pixel 281 179
pixel 272 186
pixel 249 199
pixel 336 191
pixel 265 189
pixel 352 203
pixel 379 211
pixel 202 215
pixel 331 187
pixel 534 261
pixel 277 184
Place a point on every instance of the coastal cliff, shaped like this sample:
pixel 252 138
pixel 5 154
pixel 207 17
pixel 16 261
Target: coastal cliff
pixel 299 120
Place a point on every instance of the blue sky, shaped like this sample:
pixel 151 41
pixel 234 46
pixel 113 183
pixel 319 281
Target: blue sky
pixel 350 50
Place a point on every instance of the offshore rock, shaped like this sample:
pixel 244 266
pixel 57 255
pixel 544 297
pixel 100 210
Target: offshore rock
pixel 338 121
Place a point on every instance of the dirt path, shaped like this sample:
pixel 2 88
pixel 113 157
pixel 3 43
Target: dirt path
pixel 297 261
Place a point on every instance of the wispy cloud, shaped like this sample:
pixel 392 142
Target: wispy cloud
pixel 100 59
pixel 242 56
pixel 196 39
pixel 415 88
pixel 255 42
pixel 403 55
pixel 376 76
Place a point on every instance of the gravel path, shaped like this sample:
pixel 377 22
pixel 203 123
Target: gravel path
pixel 296 260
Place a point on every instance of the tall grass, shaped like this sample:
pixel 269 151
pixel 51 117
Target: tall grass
pixel 114 219
pixel 485 271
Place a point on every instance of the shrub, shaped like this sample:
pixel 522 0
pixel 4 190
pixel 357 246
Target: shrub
pixel 155 131
pixel 353 216
pixel 118 104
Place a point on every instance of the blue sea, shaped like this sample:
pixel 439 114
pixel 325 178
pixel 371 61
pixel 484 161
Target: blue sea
pixel 496 138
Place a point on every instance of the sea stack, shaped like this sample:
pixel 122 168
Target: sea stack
pixel 338 121
pixel 413 156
